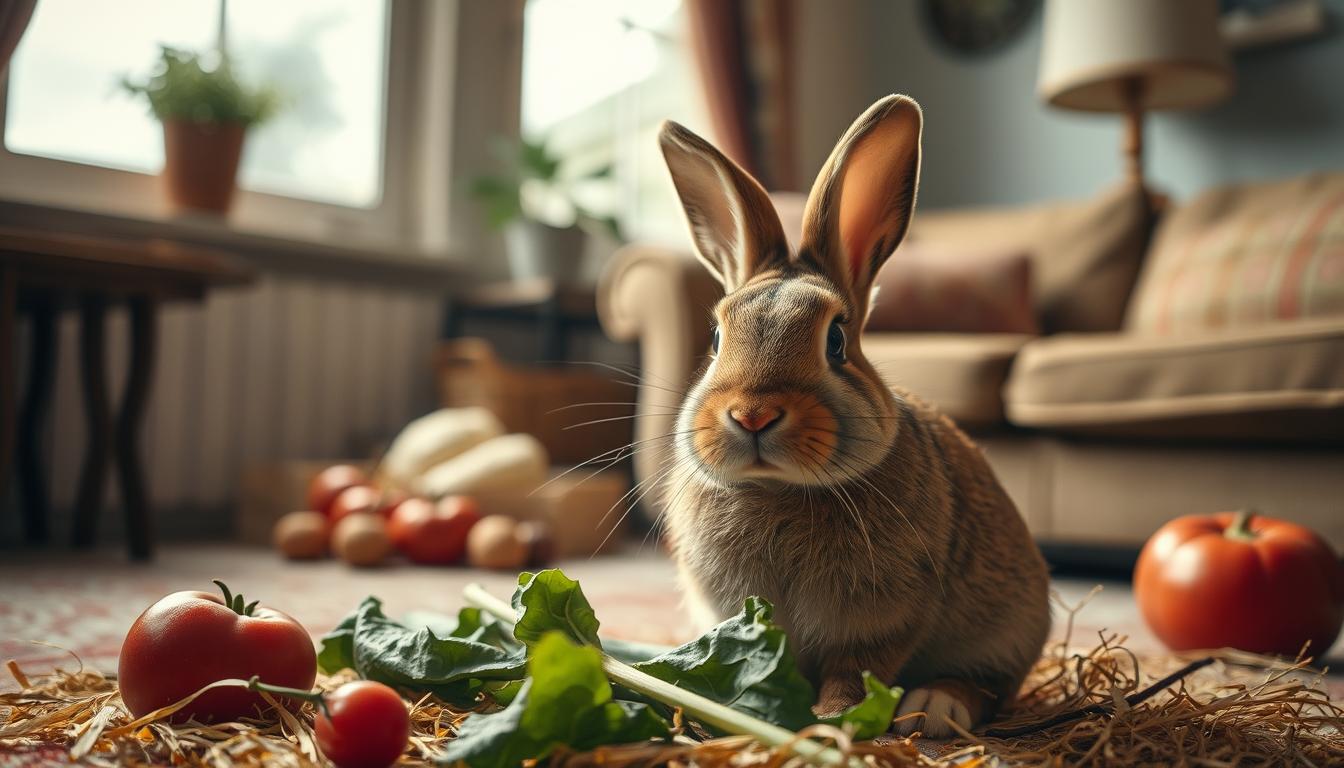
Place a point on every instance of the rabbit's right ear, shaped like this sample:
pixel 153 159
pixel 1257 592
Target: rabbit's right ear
pixel 735 228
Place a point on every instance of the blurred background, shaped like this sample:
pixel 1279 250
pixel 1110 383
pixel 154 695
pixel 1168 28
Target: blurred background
pixel 445 204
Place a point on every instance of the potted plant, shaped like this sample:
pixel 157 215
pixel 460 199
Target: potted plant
pixel 205 111
pixel 535 200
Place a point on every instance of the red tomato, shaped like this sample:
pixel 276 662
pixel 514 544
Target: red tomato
pixel 328 484
pixel 432 533
pixel 356 498
pixel 365 725
pixel 190 639
pixel 1241 581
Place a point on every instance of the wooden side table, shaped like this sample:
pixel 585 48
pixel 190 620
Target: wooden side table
pixel 43 274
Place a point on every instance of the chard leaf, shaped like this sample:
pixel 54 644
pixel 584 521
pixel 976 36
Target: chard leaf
pixel 389 652
pixel 745 663
pixel 632 651
pixel 565 701
pixel 469 624
pixel 338 645
pixel 550 601
pixel 871 717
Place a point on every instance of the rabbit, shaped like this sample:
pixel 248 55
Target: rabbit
pixel 871 522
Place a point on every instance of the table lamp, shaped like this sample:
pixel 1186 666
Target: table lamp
pixel 1131 56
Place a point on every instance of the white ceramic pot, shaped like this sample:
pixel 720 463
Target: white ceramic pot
pixel 538 250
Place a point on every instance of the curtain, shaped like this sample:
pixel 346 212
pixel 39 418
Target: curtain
pixel 14 16
pixel 743 51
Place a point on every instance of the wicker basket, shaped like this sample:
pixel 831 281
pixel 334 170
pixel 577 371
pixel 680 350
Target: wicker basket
pixel 543 401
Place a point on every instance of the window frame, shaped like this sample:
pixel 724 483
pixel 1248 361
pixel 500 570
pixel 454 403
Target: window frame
pixel 68 184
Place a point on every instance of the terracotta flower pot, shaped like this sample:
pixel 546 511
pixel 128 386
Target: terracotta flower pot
pixel 200 164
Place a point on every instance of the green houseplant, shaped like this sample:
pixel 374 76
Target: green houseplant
pixel 205 111
pixel 536 199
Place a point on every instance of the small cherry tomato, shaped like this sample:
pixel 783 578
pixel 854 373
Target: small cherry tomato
pixel 364 725
pixel 434 534
pixel 1242 581
pixel 328 484
pixel 190 639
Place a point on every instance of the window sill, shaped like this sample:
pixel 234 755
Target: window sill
pixel 266 253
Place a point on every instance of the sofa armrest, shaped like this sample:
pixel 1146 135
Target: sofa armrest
pixel 661 298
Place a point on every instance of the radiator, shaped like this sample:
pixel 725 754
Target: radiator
pixel 289 367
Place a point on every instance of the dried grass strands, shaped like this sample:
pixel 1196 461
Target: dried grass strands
pixel 1234 709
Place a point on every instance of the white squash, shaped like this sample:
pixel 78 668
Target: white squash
pixel 513 463
pixel 433 439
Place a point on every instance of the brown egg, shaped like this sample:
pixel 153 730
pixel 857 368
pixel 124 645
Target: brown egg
pixel 494 543
pixel 361 539
pixel 301 535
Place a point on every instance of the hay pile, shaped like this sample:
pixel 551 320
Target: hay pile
pixel 1097 706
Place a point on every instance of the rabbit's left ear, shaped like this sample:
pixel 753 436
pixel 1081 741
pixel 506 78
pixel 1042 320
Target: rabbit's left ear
pixel 861 202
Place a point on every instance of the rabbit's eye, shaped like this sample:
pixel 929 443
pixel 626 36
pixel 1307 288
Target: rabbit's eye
pixel 835 343
pixel 717 336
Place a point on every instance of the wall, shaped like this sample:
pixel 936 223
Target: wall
pixel 989 139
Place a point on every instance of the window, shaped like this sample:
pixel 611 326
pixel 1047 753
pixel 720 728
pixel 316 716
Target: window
pixel 328 57
pixel 599 77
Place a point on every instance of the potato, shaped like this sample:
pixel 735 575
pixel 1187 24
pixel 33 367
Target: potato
pixel 494 543
pixel 361 539
pixel 301 535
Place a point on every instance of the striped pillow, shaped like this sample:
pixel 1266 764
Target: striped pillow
pixel 1246 255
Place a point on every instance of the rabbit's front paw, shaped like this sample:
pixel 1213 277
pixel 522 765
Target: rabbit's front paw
pixel 937 706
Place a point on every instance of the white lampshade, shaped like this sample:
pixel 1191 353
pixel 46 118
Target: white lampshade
pixel 1171 49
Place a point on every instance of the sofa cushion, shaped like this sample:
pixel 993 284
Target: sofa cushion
pixel 962 374
pixel 1277 381
pixel 940 289
pixel 1085 255
pixel 1245 255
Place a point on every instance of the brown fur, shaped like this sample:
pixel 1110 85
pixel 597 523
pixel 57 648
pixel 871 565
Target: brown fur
pixel 870 520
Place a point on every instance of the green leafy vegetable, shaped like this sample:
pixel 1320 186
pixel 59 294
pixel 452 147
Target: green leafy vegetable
pixel 745 663
pixel 557 685
pixel 565 701
pixel 871 717
pixel 550 601
pixel 453 667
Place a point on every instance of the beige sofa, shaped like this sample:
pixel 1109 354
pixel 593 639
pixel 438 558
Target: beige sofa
pixel 1128 411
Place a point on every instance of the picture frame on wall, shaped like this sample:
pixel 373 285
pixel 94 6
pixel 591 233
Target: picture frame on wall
pixel 1251 24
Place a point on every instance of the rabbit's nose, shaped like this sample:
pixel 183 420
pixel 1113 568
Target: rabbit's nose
pixel 756 419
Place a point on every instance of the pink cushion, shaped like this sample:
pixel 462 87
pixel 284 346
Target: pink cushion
pixel 927 287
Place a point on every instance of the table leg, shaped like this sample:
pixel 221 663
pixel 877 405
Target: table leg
pixel 552 321
pixel 139 533
pixel 452 318
pixel 32 477
pixel 9 309
pixel 97 416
